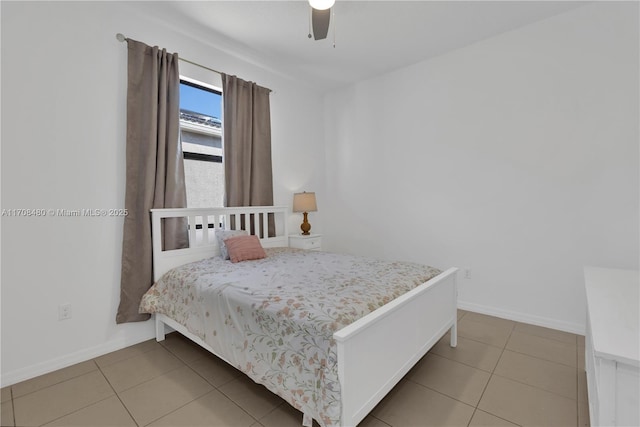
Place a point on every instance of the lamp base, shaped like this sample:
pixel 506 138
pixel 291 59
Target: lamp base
pixel 305 226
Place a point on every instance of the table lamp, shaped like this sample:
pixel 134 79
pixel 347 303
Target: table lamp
pixel 305 203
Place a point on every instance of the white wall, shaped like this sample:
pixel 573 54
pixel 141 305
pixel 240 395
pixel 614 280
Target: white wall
pixel 516 157
pixel 63 147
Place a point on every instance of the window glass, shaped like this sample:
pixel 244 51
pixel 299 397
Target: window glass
pixel 201 136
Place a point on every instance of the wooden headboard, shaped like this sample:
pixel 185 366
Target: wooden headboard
pixel 202 225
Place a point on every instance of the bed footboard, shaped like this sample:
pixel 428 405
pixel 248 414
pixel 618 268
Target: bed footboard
pixel 375 352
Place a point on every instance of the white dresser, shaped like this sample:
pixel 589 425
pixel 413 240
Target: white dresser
pixel 612 346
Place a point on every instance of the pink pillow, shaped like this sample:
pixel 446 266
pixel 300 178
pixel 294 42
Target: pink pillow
pixel 244 248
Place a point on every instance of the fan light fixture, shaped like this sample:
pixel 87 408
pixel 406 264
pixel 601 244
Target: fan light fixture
pixel 321 4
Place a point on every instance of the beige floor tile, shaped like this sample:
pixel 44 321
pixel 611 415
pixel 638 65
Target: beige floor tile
pixel 212 409
pixel 489 320
pixel 106 413
pixel 446 339
pixel 410 404
pixel 6 416
pixel 371 421
pixel 483 419
pixel 581 341
pixel 183 348
pixel 470 352
pixel 582 387
pixel 580 360
pixel 55 401
pixel 461 313
pixel 215 370
pixel 454 379
pixel 138 369
pixel 527 405
pixel 543 348
pixel 583 414
pixel 253 398
pixel 52 378
pixel 496 335
pixel 287 416
pixel 6 393
pixel 127 353
pixel 162 395
pixel 550 376
pixel 552 334
pixel 284 416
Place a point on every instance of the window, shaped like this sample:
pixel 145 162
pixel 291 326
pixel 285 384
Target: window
pixel 201 137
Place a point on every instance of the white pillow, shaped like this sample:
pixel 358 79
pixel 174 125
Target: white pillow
pixel 221 235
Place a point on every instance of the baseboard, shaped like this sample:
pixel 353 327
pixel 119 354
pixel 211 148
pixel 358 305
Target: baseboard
pixel 574 328
pixel 38 369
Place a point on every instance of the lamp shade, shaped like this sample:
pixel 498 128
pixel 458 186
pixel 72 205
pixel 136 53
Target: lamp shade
pixel 321 4
pixel 304 202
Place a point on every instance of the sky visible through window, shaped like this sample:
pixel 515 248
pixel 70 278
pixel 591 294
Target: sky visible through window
pixel 200 101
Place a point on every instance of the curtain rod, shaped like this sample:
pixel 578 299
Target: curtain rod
pixel 121 38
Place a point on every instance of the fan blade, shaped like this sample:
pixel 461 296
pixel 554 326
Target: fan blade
pixel 320 23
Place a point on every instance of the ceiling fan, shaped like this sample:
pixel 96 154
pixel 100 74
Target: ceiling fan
pixel 320 16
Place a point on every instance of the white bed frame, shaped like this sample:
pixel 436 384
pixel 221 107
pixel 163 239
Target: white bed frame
pixel 407 326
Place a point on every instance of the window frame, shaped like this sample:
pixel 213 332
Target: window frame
pixel 188 155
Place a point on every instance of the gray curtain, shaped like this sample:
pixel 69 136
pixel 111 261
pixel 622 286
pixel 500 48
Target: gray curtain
pixel 155 169
pixel 247 145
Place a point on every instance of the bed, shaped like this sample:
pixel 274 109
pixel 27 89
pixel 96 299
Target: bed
pixel 353 365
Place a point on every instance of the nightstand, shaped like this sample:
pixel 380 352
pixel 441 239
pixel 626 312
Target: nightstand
pixel 312 242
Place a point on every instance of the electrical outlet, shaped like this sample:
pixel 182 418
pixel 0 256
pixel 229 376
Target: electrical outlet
pixel 467 273
pixel 64 311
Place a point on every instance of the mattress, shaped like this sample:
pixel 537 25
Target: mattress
pixel 274 318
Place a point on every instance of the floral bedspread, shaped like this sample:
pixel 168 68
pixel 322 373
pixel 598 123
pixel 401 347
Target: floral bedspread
pixel 274 318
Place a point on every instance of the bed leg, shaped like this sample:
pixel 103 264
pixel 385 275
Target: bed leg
pixel 454 334
pixel 307 420
pixel 159 330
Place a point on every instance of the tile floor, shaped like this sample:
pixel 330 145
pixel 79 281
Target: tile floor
pixel 502 373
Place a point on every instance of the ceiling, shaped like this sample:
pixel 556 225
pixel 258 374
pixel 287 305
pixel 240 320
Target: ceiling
pixel 371 37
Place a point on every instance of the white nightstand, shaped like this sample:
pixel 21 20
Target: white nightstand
pixel 312 242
